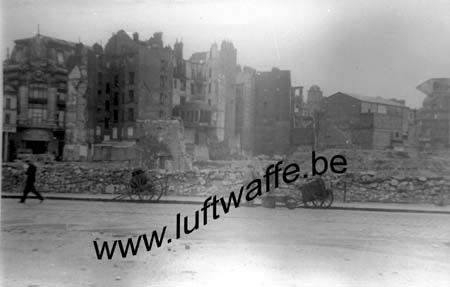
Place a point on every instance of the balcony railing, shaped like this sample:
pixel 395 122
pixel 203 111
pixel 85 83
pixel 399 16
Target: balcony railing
pixel 41 123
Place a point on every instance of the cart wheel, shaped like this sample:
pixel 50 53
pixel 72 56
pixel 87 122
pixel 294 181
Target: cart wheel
pixel 133 193
pixel 154 189
pixel 291 202
pixel 311 203
pixel 328 200
pixel 137 188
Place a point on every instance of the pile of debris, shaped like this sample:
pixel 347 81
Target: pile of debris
pixel 381 176
pixel 388 176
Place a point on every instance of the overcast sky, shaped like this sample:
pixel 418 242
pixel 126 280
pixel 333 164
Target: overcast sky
pixel 374 48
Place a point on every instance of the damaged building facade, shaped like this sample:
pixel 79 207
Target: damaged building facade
pixel 364 122
pixel 132 82
pixel 245 109
pixel 272 112
pixel 79 103
pixel 39 85
pixel 204 86
pixel 433 119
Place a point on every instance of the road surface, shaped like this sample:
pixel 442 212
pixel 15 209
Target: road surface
pixel 51 244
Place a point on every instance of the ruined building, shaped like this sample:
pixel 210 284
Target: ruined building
pixel 245 109
pixel 272 112
pixel 314 100
pixel 205 89
pixel 302 121
pixel 132 83
pixel 364 122
pixel 41 84
pixel 433 119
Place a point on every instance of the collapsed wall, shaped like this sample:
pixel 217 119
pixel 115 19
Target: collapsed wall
pixel 76 117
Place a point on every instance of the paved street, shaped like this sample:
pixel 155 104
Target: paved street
pixel 50 244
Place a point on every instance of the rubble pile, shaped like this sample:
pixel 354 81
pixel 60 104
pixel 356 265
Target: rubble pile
pixel 380 176
pixel 388 176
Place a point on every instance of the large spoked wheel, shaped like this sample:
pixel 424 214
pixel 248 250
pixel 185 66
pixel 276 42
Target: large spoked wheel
pixel 323 200
pixel 327 201
pixel 137 190
pixel 311 203
pixel 155 189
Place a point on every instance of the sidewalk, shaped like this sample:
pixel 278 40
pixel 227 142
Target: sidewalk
pixel 362 206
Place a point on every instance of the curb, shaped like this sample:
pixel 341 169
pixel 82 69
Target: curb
pixel 372 209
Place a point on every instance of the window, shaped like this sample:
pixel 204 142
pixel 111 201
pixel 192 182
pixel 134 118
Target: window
pixel 162 81
pixel 114 133
pixel 107 88
pixel 60 57
pixel 7 119
pixel 37 92
pixel 131 78
pixel 197 138
pixel 209 88
pixel 196 116
pixel 161 114
pixel 116 116
pixel 106 123
pixel 130 114
pixel 209 102
pixel 98 131
pixel 130 132
pixel 116 80
pixel 192 88
pixel 99 92
pixel 131 96
pixel 107 105
pixel 37 114
pixel 382 109
pixel 182 100
pixel 60 118
pixel 161 98
pixel 210 72
pixel 99 78
pixel 368 108
pixel 8 104
pixel 116 99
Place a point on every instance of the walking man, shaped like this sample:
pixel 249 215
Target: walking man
pixel 29 185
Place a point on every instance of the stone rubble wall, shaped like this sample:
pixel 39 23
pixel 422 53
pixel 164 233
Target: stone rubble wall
pixel 431 184
pixel 363 187
pixel 107 177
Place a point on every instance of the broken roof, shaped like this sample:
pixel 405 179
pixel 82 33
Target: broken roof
pixel 50 39
pixel 375 100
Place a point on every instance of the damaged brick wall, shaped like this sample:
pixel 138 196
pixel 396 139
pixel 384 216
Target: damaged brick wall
pixel 76 119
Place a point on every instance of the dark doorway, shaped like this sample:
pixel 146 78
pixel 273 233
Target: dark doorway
pixel 37 147
pixel 59 156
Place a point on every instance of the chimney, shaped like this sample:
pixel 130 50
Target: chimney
pixel 135 37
